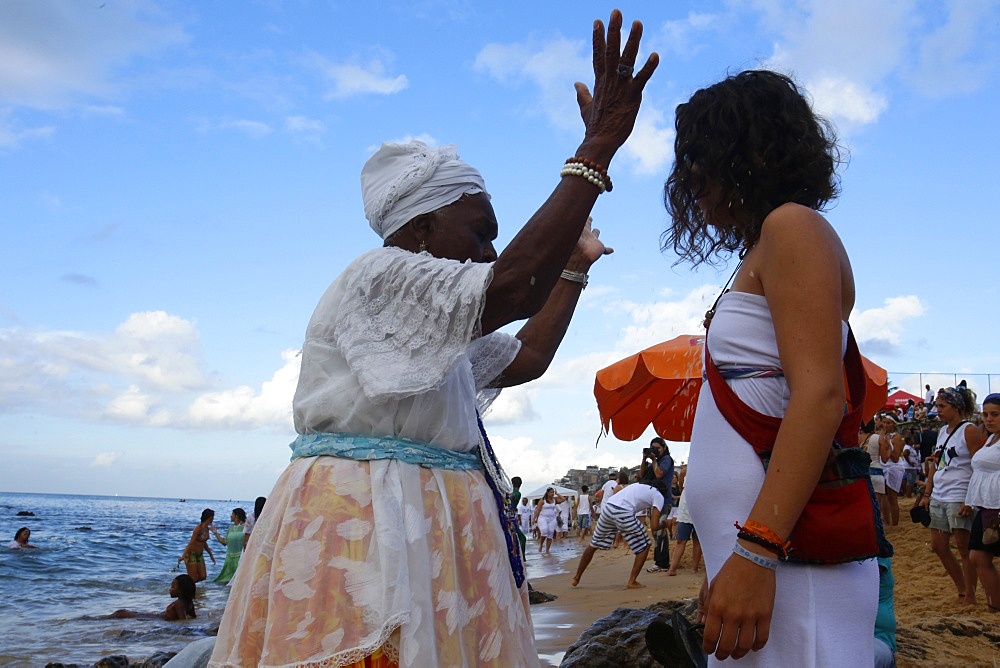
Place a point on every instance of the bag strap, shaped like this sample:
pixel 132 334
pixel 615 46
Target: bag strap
pixel 761 430
pixel 944 446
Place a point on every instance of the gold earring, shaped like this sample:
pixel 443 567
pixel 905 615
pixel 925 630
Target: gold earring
pixel 423 246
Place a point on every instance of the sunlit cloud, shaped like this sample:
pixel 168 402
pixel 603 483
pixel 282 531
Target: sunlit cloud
pixel 106 459
pixel 880 330
pixel 359 76
pixel 53 53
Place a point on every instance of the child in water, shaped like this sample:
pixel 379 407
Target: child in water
pixel 183 590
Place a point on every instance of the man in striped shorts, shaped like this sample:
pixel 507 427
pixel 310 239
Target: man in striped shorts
pixel 618 515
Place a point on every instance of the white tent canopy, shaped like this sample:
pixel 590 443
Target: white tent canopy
pixel 540 492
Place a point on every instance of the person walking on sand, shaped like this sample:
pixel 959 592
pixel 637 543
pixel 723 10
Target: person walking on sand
pixel 618 516
pixel 546 516
pixel 583 512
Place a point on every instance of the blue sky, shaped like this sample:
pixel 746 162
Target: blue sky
pixel 179 182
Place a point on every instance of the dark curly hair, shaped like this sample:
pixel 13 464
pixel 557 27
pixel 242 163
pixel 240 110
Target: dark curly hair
pixel 755 140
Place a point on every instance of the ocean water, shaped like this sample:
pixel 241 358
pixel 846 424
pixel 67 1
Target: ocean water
pixel 97 554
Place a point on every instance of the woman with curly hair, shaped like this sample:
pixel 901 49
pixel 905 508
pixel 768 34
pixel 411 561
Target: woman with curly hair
pixel 947 485
pixel 753 167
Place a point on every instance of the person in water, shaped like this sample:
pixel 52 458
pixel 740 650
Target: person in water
pixel 182 589
pixel 194 553
pixel 21 539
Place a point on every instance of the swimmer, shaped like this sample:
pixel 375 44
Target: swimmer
pixel 21 539
pixel 183 590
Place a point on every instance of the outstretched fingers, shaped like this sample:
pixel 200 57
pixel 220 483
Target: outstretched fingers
pixel 612 51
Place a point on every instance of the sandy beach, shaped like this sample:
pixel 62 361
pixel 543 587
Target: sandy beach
pixel 932 629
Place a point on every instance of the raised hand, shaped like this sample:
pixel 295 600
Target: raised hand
pixel 589 249
pixel 609 112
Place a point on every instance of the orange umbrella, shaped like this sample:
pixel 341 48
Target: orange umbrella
pixel 660 386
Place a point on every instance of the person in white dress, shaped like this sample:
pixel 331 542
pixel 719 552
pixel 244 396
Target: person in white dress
pixel 753 166
pixel 386 540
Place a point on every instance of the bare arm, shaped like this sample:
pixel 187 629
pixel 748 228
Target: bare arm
pixel 526 272
pixel 542 333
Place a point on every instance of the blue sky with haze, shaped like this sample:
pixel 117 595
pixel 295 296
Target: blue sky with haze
pixel 179 182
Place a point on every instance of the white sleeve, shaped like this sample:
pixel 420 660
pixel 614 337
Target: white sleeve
pixel 405 318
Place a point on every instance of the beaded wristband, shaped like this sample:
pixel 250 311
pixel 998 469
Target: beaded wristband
pixel 597 167
pixel 758 559
pixel 587 173
pixel 576 277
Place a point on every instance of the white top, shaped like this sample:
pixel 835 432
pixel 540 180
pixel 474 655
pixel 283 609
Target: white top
pixel 413 369
pixel 609 489
pixel 524 513
pixel 911 457
pixel 14 545
pixel 951 480
pixel 984 485
pixel 635 498
pixel 929 398
pixel 248 525
pixel 583 505
pixel 871 447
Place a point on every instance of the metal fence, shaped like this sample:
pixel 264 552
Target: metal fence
pixel 917 382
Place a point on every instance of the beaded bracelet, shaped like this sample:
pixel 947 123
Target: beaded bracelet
pixel 758 559
pixel 575 277
pixel 597 167
pixel 587 173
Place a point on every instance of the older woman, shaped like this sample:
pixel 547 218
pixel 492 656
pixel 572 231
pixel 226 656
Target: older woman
pixel 753 167
pixel 383 541
pixel 947 485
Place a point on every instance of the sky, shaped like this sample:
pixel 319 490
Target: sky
pixel 179 183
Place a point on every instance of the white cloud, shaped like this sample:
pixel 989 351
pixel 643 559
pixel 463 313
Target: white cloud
pixel 880 330
pixel 244 408
pixel 848 102
pixel 104 459
pixel 11 135
pixel 513 406
pixel 651 144
pixel 683 38
pixel 360 77
pixel 53 52
pixel 549 67
pixel 960 54
pixel 252 128
pixel 301 124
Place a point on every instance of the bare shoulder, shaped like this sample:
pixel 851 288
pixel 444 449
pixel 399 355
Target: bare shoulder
pixel 796 225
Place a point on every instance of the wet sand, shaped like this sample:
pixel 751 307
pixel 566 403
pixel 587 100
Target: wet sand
pixel 932 628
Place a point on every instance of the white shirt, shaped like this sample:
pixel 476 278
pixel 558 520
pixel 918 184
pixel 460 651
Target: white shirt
pixel 636 497
pixel 609 489
pixel 951 480
pixel 583 505
pixel 524 512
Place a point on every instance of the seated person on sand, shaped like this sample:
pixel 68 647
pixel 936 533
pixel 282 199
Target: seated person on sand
pixel 183 590
pixel 618 515
pixel 21 539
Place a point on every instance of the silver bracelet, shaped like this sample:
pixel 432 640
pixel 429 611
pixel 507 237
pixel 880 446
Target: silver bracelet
pixel 755 558
pixel 576 277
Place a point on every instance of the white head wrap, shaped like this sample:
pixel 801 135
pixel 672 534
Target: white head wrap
pixel 403 181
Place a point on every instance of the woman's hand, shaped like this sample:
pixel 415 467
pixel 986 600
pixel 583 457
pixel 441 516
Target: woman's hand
pixel 609 112
pixel 589 249
pixel 739 605
pixel 702 600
